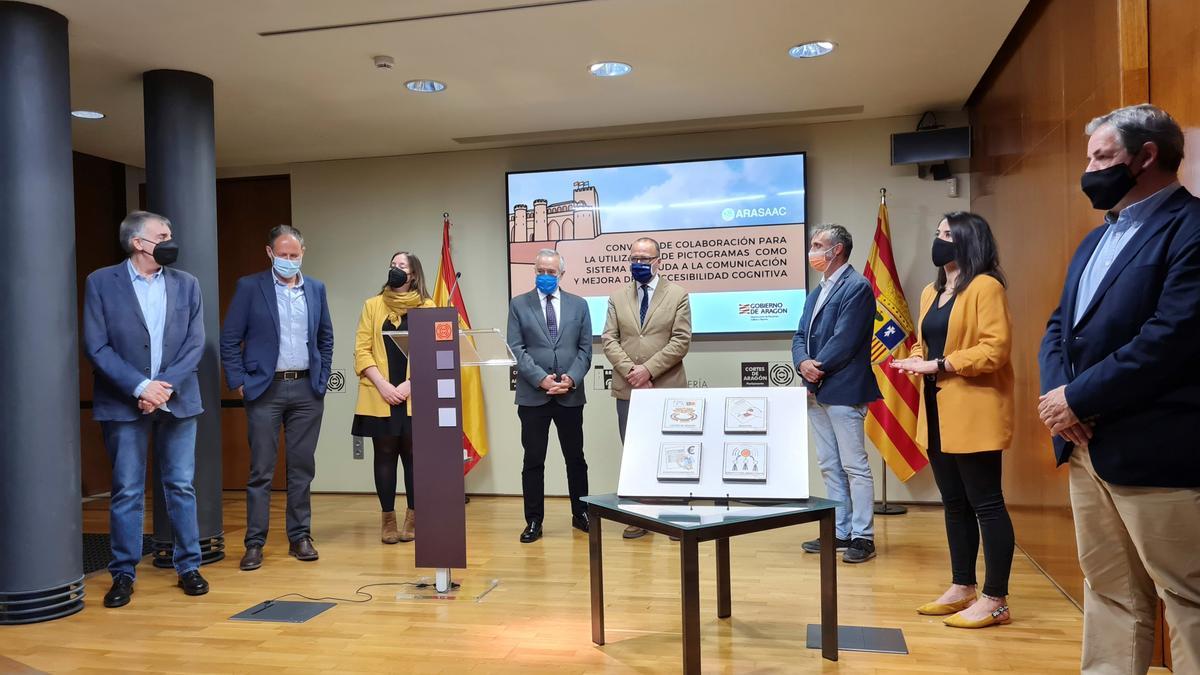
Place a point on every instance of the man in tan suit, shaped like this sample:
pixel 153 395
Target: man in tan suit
pixel 646 335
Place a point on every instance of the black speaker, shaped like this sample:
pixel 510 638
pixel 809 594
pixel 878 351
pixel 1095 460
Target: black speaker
pixel 931 146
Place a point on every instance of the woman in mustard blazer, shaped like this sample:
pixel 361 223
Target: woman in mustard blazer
pixel 383 388
pixel 966 419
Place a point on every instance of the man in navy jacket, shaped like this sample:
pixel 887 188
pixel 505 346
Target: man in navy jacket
pixel 1121 394
pixel 143 331
pixel 277 349
pixel 832 353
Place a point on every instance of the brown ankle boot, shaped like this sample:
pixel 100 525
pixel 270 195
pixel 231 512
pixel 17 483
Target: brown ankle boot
pixel 388 534
pixel 409 531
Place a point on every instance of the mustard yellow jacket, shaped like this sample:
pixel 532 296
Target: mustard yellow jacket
pixel 975 404
pixel 369 350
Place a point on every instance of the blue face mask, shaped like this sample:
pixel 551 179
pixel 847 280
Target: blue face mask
pixel 286 269
pixel 547 283
pixel 641 272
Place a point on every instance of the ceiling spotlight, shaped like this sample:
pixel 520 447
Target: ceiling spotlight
pixel 810 50
pixel 425 86
pixel 610 69
pixel 87 114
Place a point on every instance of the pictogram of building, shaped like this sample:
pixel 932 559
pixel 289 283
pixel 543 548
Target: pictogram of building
pixel 578 218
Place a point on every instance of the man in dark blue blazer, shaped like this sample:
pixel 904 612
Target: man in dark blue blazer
pixel 1120 375
pixel 277 349
pixel 550 333
pixel 832 352
pixel 143 331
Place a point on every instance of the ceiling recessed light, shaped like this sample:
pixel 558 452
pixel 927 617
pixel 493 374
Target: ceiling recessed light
pixel 809 50
pixel 87 114
pixel 610 69
pixel 425 86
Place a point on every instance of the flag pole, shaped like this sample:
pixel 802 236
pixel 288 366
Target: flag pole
pixel 884 508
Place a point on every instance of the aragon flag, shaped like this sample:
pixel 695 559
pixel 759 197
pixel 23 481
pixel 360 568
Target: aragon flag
pixel 892 421
pixel 446 294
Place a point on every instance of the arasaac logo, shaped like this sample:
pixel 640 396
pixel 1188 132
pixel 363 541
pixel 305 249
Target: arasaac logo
pixel 729 214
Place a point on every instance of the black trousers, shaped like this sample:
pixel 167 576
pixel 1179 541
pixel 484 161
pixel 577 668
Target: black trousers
pixel 974 501
pixel 389 450
pixel 535 433
pixel 294 406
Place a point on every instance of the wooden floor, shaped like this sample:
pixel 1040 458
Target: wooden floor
pixel 537 618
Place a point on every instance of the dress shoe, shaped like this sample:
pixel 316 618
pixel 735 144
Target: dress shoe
pixel 408 531
pixel 532 532
pixel 814 546
pixel 580 522
pixel 861 550
pixel 122 589
pixel 999 617
pixel 633 532
pixel 192 583
pixel 388 533
pixel 302 549
pixel 939 609
pixel 252 560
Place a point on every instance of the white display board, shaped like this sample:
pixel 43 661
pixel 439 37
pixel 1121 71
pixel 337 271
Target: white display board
pixel 786 438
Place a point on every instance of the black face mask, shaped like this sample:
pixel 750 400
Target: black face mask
pixel 943 252
pixel 1107 187
pixel 166 252
pixel 397 277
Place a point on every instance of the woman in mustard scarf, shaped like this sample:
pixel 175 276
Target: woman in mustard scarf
pixel 383 388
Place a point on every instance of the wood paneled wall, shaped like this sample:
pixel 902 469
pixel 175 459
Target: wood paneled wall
pixel 1175 74
pixel 1059 68
pixel 99 206
pixel 1065 62
pixel 247 208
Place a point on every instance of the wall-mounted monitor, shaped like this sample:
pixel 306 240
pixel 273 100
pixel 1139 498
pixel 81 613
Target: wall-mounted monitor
pixel 732 232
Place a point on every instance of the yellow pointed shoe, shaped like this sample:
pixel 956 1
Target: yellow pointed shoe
pixel 938 609
pixel 992 619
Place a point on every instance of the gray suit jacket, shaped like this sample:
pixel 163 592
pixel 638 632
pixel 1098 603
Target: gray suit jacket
pixel 538 355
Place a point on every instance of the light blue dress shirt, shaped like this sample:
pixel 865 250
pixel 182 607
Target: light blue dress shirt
pixel 1112 242
pixel 152 298
pixel 826 290
pixel 293 325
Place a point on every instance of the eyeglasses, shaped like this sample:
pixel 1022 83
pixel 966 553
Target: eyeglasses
pixel 640 259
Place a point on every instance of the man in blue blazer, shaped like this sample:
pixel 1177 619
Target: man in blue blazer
pixel 832 352
pixel 277 349
pixel 143 331
pixel 1120 376
pixel 550 332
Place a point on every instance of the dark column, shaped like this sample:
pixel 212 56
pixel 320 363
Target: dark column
pixel 41 550
pixel 181 184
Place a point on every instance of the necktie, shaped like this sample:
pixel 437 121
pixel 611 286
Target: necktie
pixel 551 318
pixel 645 301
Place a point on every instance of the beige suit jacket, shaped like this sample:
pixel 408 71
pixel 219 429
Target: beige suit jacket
pixel 660 344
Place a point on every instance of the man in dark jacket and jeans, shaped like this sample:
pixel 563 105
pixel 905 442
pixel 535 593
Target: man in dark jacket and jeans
pixel 832 352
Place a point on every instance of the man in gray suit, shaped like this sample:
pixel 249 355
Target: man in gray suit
pixel 550 332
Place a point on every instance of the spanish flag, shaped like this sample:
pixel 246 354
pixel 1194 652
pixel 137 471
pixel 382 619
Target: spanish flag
pixel 892 421
pixel 446 294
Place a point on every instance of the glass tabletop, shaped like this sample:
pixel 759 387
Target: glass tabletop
pixel 691 514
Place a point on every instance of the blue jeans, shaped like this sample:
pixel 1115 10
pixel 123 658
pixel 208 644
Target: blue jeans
pixel 175 456
pixel 842 456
